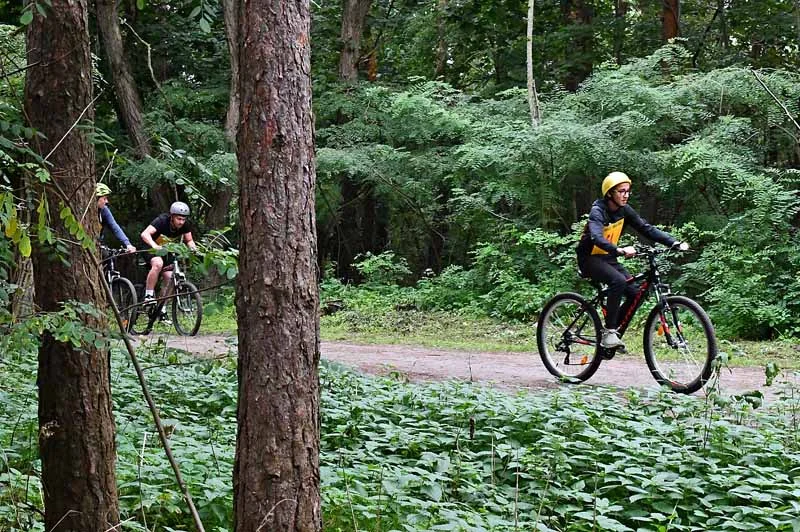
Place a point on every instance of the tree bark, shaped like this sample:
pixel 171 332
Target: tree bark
pixel 230 12
pixel 128 100
pixel 671 19
pixel 579 14
pixel 354 17
pixel 276 472
pixel 533 97
pixel 441 41
pixel 76 425
pixel 620 11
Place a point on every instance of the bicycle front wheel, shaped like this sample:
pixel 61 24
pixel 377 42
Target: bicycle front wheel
pixel 187 309
pixel 568 335
pixel 679 344
pixel 124 295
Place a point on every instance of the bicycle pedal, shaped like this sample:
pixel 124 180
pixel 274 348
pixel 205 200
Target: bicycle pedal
pixel 608 354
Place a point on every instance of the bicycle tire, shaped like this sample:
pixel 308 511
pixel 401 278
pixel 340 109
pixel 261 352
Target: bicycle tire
pixel 556 344
pixel 668 341
pixel 143 320
pixel 124 295
pixel 187 309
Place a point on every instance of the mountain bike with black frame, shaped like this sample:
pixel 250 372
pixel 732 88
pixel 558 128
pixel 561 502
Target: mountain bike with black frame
pixel 678 338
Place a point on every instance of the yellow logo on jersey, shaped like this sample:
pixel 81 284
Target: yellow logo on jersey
pixel 611 232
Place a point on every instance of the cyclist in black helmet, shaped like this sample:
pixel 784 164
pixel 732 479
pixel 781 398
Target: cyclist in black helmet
pixel 598 251
pixel 165 228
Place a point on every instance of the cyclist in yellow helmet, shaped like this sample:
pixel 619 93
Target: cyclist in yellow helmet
pixel 102 191
pixel 598 251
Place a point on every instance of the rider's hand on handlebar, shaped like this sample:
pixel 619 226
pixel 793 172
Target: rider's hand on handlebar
pixel 683 246
pixel 627 251
pixel 130 248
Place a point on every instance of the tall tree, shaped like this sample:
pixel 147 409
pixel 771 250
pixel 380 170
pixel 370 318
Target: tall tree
pixel 671 19
pixel 276 472
pixel 578 16
pixel 354 17
pixel 128 101
pixel 620 11
pixel 76 435
pixel 533 97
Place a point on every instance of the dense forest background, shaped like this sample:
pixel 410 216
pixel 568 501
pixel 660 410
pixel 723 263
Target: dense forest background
pixel 431 173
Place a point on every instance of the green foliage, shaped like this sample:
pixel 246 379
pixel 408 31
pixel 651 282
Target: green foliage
pixel 440 456
pixel 383 269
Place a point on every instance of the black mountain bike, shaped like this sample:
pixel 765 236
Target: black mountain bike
pixel 122 290
pixel 187 305
pixel 679 341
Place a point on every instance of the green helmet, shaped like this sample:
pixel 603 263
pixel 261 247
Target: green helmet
pixel 101 189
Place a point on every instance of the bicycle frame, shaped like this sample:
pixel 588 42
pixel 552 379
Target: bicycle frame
pixel 650 280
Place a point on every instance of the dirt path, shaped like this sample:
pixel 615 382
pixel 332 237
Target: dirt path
pixel 502 370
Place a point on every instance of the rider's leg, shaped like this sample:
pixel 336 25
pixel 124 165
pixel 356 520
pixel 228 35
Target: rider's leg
pixel 166 277
pixel 608 271
pixel 156 264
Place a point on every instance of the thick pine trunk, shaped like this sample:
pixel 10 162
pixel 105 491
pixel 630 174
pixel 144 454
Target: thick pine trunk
pixel 76 436
pixel 128 101
pixel 354 17
pixel 276 473
pixel 671 19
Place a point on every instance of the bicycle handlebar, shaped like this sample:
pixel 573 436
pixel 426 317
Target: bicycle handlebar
pixel 652 251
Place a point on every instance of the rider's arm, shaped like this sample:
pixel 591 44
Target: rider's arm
pixel 108 220
pixel 147 237
pixel 596 223
pixel 189 241
pixel 643 227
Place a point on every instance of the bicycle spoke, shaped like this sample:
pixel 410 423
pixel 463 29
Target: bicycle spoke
pixel 680 346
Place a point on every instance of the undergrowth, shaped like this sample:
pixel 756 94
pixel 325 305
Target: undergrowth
pixel 445 456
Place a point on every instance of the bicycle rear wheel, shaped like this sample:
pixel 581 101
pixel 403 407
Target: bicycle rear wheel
pixel 187 309
pixel 680 345
pixel 568 335
pixel 124 295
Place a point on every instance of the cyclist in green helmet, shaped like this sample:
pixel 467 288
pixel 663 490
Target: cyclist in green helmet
pixel 102 191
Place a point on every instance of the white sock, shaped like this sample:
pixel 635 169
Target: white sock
pixel 149 293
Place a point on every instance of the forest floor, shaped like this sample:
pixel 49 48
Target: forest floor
pixel 508 371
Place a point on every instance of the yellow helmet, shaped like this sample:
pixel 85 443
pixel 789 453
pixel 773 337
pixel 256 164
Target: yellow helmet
pixel 613 179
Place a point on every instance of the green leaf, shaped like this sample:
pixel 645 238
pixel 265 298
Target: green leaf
pixel 140 5
pixel 205 26
pixel 25 246
pixel 195 12
pixel 26 18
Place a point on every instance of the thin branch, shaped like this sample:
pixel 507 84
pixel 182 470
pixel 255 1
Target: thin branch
pixel 90 105
pixel 785 110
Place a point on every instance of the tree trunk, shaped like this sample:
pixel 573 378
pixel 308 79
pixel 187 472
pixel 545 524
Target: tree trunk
pixel 620 11
pixel 354 17
pixel 533 97
pixel 578 13
pixel 76 425
pixel 441 41
pixel 129 103
pixel 671 19
pixel 230 13
pixel 276 472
